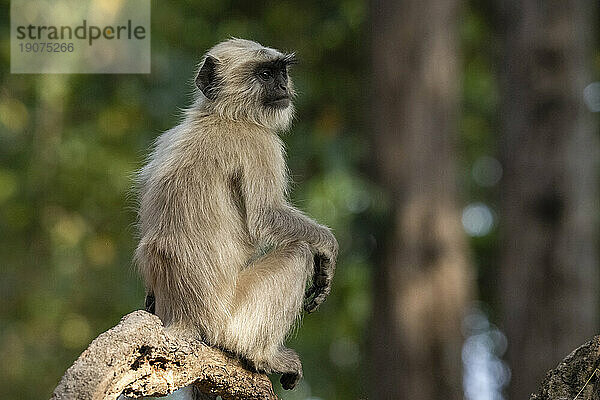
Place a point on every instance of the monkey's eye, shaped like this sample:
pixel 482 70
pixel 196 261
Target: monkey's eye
pixel 265 74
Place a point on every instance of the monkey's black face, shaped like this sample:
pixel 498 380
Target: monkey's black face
pixel 248 82
pixel 273 77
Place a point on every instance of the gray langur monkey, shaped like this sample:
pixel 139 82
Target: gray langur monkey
pixel 223 254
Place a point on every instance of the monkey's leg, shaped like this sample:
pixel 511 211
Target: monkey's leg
pixel 150 303
pixel 268 300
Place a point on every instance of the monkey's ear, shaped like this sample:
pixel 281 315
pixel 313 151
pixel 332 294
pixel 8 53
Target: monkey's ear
pixel 206 80
pixel 290 59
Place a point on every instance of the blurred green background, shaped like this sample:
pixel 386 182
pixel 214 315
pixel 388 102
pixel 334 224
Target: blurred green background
pixel 69 145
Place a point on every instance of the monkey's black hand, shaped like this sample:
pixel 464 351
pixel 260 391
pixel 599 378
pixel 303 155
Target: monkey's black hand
pixel 321 282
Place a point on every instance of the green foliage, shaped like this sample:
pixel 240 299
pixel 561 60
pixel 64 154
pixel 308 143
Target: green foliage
pixel 478 128
pixel 69 145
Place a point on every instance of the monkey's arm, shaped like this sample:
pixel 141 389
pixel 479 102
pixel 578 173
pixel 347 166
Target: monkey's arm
pixel 272 220
pixel 285 224
pixel 282 224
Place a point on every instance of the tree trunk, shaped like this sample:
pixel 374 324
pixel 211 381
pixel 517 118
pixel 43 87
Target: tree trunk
pixel 549 277
pixel 137 358
pixel 423 281
pixel 576 377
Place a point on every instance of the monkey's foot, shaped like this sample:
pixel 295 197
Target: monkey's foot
pixel 285 362
pixel 290 368
pixel 289 381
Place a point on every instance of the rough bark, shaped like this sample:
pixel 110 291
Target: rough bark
pixel 549 204
pixel 137 358
pixel 423 281
pixel 576 376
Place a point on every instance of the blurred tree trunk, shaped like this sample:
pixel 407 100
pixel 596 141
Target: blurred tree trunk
pixel 423 280
pixel 549 278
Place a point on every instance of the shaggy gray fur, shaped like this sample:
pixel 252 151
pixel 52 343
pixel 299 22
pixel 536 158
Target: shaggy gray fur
pixel 225 254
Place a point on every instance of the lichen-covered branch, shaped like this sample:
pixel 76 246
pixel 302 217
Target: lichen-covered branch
pixel 577 376
pixel 137 358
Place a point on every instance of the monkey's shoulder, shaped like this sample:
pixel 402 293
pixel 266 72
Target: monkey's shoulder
pixel 189 147
pixel 209 151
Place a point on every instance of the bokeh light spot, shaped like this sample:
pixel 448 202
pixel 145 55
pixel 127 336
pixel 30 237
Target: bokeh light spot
pixel 591 96
pixel 487 171
pixel 75 332
pixel 101 251
pixel 477 219
pixel 13 114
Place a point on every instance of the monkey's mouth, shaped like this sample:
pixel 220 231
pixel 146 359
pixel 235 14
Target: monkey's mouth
pixel 279 102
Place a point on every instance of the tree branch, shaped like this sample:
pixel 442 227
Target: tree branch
pixel 576 376
pixel 137 358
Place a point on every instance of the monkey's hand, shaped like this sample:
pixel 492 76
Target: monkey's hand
pixel 324 269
